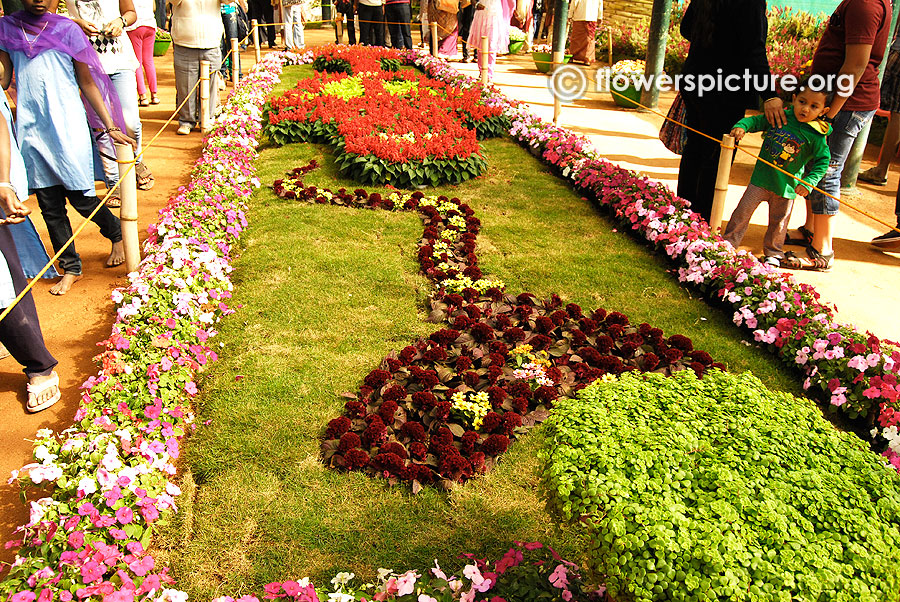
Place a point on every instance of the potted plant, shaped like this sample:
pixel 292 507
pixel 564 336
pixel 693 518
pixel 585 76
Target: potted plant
pixel 162 42
pixel 542 54
pixel 623 77
pixel 516 39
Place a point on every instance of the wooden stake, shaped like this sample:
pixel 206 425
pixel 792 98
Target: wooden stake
pixel 235 62
pixel 609 45
pixel 726 154
pixel 339 26
pixel 434 38
pixel 204 96
pixel 128 214
pixel 483 60
pixel 254 26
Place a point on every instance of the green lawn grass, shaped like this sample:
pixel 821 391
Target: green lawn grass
pixel 323 293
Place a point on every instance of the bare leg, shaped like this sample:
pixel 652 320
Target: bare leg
pixel 116 255
pixel 822 240
pixel 65 283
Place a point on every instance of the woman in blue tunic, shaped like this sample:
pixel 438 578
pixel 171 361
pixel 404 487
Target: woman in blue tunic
pixel 54 61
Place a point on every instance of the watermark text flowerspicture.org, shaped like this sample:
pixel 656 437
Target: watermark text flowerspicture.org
pixel 568 83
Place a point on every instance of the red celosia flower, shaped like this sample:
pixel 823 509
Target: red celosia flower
pixel 463 363
pixel 471 379
pixel 435 354
pixel 651 362
pixel 393 447
pixel 355 409
pixel 408 353
pixel 337 427
pixel 348 441
pixel 377 378
pixel 356 459
pixel 574 311
pixel 495 445
pixel 392 463
pixel 511 421
pixel 387 410
pixel 394 393
pixel 680 342
pixel 482 332
pixel 424 399
pixel 540 342
pixel 587 325
pixel 413 430
pixel 418 450
pixel 375 433
pixel 491 422
pixel 514 334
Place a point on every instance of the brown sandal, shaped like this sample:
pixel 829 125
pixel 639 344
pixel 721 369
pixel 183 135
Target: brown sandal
pixel 113 200
pixel 143 176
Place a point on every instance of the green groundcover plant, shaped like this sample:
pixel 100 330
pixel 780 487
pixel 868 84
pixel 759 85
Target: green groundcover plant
pixel 720 489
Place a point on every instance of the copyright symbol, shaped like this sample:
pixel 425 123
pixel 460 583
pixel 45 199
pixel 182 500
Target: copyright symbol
pixel 567 83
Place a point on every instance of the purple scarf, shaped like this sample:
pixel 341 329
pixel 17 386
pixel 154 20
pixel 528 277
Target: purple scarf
pixel 32 35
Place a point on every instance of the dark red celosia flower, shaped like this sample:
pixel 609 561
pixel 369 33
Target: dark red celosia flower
pixel 554 374
pixel 496 359
pixel 543 394
pixel 392 447
pixel 514 334
pixel 574 311
pixel 418 195
pixel 409 352
pixel 519 388
pixel 392 364
pixel 611 364
pixel 377 378
pixel 604 343
pixel 375 433
pixel 559 317
pixel 502 321
pixel 418 450
pixel 471 379
pixel 428 379
pixel 511 421
pixel 494 372
pixel 387 410
pixel 392 463
pixel 473 224
pixel 670 356
pixel 468 247
pixel 467 443
pixel 598 315
pixel 470 294
pixel 701 356
pixel 494 293
pixel 590 355
pixel 617 318
pixel 680 342
pixel 365 391
pixel 554 301
pixel 520 405
pixel 356 459
pixel 442 410
pixel 587 325
pixel 525 299
pixel 655 333
pixel 698 368
pixel 430 233
pixel 496 395
pixel 355 408
pixel 473 310
pixel 477 461
pixel 462 322
pixel 455 467
pixel 435 354
pixel 718 365
pixel 543 324
pixel 495 445
pixel 615 331
pixel 337 427
pixel 413 430
pixel 348 441
pixel 443 436
pixel 627 350
pixel 437 275
pixel 394 393
pixel 473 271
pixel 498 351
pixel 633 339
pixel 444 336
pixel 482 332
pixel 453 299
pixel 578 337
pixel 410 204
pixel 463 363
pixel 644 329
pixel 651 362
pixel 591 374
pixel 540 342
pixel 523 311
pixel 424 399
pixel 491 422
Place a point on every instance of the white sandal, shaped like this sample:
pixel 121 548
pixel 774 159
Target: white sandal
pixel 34 392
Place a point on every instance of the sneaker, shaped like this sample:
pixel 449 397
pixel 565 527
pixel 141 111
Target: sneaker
pixel 184 129
pixel 890 238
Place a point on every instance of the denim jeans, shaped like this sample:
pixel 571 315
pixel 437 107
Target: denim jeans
pixel 397 16
pixel 293 27
pixel 186 62
pixel 124 83
pixel 229 21
pixel 52 202
pixel 845 128
pixel 371 25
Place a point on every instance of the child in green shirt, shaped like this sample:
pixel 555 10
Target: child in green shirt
pixel 798 145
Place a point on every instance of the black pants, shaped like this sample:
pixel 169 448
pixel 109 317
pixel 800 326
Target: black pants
pixel 714 115
pixel 52 202
pixel 371 25
pixel 263 12
pixel 398 16
pixel 465 17
pixel 351 28
pixel 20 331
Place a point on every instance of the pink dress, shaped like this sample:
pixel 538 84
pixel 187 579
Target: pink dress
pixel 489 22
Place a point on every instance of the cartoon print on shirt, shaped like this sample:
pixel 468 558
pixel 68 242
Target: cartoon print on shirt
pixel 782 146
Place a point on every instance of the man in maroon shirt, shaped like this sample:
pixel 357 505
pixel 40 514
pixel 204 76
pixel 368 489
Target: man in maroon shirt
pixel 851 49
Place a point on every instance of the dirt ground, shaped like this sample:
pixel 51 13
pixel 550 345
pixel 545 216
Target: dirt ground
pixel 861 284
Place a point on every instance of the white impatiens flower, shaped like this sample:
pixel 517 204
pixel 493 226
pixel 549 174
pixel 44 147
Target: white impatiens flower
pixel 342 579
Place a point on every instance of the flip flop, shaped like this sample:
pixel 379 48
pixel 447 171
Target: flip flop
pixel 805 240
pixel 866 176
pixel 35 390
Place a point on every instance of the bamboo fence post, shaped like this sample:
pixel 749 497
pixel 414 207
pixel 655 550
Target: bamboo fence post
pixel 235 62
pixel 726 154
pixel 339 26
pixel 434 38
pixel 128 214
pixel 609 45
pixel 483 60
pixel 204 96
pixel 254 26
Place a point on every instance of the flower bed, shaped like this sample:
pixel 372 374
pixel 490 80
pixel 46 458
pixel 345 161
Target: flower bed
pixel 386 127
pixel 445 407
pixel 721 490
